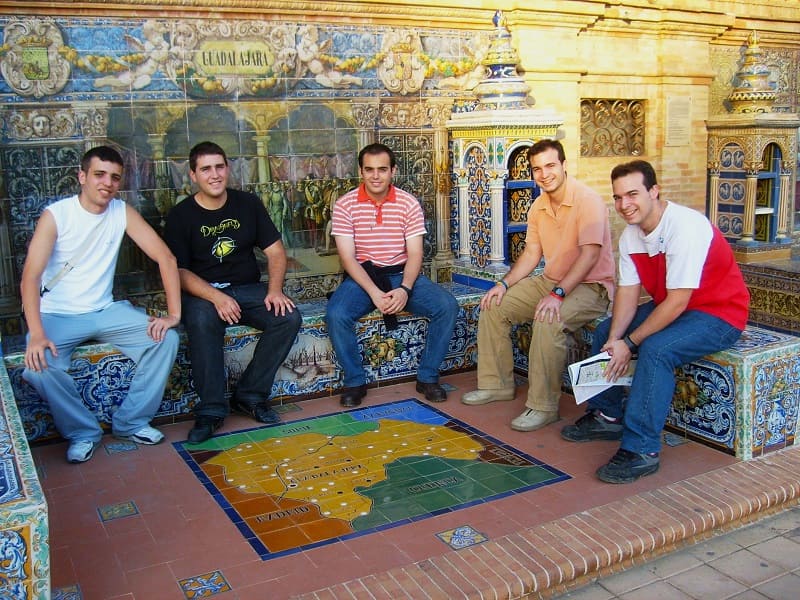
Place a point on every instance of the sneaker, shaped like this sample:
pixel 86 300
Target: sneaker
pixel 477 397
pixel 532 419
pixel 80 451
pixel 626 466
pixel 592 426
pixel 148 436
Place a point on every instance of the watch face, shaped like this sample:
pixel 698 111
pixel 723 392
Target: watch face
pixel 558 291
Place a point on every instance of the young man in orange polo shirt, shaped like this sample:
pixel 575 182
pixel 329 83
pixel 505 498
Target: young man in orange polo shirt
pixel 568 226
pixel 379 232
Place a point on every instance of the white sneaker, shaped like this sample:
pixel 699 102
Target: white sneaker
pixel 531 419
pixel 80 451
pixel 476 397
pixel 149 436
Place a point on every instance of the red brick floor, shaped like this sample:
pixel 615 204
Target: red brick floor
pixel 539 541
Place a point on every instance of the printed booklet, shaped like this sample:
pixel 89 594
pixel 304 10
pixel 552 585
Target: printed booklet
pixel 588 379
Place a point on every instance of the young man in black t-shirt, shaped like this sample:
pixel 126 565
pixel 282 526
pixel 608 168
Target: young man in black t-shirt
pixel 213 234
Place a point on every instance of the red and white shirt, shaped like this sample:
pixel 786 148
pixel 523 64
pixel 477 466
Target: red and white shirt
pixel 685 251
pixel 379 231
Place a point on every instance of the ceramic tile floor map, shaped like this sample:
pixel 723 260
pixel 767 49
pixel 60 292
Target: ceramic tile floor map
pixel 314 481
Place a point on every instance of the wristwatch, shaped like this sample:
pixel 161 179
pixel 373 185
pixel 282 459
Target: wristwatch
pixel 559 291
pixel 632 346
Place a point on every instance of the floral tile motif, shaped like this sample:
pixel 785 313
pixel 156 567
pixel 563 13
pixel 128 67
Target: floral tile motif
pixel 461 537
pixel 204 586
pixel 70 592
pixel 117 511
pixel 119 446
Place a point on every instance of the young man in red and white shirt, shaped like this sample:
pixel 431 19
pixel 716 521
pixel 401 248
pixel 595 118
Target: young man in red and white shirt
pixel 699 305
pixel 379 233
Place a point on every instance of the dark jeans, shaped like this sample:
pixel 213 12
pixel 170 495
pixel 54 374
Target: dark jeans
pixel 350 302
pixel 689 337
pixel 206 333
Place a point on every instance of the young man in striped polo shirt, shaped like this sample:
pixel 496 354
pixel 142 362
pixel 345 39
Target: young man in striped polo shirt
pixel 379 233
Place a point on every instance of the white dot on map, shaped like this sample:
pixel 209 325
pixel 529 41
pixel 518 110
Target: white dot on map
pixel 238 449
pixel 321 457
pixel 355 472
pixel 289 470
pixel 314 501
pixel 324 489
pixel 395 435
pixel 326 513
pixel 248 445
pixel 249 462
pixel 343 504
pixel 425 453
pixel 384 456
pixel 309 488
pixel 363 514
pixel 277 441
pixel 404 444
pixel 390 451
pixel 370 447
pixel 243 487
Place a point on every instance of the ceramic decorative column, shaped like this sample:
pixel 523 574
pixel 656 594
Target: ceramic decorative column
pixel 484 136
pixel 752 153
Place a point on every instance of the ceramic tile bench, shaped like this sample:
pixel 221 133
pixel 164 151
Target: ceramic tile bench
pixel 744 400
pixel 310 370
pixel 25 557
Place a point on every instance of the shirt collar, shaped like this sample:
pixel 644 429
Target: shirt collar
pixel 363 196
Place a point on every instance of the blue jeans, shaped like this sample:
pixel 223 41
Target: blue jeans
pixel 691 336
pixel 124 327
pixel 206 333
pixel 350 302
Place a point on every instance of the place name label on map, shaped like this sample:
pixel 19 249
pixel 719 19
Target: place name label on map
pixel 432 485
pixel 282 514
pixel 508 456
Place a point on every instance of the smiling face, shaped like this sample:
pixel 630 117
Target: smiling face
pixel 377 172
pixel 99 184
pixel 549 172
pixel 211 177
pixel 635 203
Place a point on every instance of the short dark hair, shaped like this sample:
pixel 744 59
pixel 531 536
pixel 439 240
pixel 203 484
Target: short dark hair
pixel 376 149
pixel 204 149
pixel 636 166
pixel 104 153
pixel 544 145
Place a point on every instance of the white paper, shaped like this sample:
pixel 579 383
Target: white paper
pixel 588 379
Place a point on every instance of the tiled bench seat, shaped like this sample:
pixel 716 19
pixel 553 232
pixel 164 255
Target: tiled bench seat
pixel 25 561
pixel 743 400
pixel 310 370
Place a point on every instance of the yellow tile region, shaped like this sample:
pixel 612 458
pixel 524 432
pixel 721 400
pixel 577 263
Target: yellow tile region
pixel 326 470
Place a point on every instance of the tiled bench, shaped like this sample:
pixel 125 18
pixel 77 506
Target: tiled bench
pixel 744 400
pixel 25 558
pixel 310 370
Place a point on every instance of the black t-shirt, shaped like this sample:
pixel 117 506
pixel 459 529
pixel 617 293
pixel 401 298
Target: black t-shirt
pixel 217 245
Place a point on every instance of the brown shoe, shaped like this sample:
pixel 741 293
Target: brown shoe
pixel 352 396
pixel 433 391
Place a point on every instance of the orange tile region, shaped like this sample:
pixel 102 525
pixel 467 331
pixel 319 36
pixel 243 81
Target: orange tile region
pixel 292 486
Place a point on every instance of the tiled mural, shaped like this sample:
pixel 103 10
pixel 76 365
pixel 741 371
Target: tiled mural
pixel 292 103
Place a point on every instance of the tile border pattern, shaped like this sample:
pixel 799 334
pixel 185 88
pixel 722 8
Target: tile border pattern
pixel 553 558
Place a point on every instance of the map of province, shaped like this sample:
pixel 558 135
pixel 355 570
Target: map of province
pixel 322 479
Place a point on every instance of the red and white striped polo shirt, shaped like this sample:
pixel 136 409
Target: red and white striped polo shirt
pixel 379 231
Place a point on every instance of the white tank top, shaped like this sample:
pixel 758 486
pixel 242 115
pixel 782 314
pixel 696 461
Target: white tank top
pixel 88 286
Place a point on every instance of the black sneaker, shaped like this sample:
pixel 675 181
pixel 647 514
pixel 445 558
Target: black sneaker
pixel 204 428
pixel 590 427
pixel 626 466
